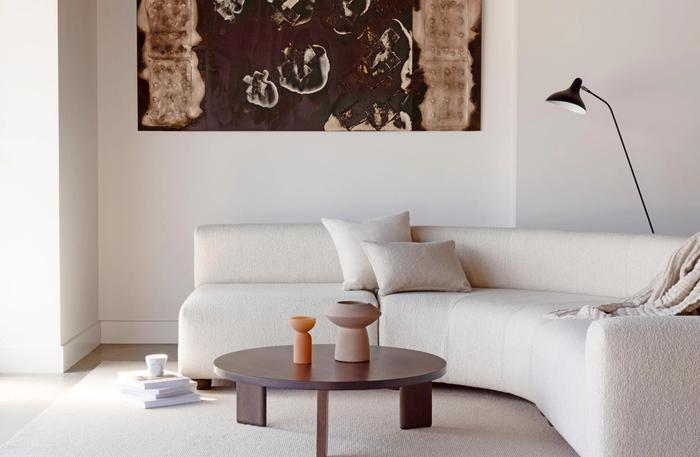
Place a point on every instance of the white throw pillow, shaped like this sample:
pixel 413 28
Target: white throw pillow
pixel 406 267
pixel 348 238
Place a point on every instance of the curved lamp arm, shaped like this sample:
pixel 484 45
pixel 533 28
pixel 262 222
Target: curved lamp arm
pixel 629 162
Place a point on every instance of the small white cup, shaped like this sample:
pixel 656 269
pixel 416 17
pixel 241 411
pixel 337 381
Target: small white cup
pixel 156 364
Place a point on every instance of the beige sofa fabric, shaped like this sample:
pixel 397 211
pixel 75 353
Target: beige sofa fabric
pixel 269 253
pixel 491 328
pixel 606 264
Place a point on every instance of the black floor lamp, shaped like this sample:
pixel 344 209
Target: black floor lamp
pixel 571 100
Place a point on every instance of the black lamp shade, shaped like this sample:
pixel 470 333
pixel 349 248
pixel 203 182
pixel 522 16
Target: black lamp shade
pixel 570 98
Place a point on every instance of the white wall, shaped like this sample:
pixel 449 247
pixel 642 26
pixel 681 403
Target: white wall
pixel 155 188
pixel 29 238
pixel 642 57
pixel 77 33
pixel 48 185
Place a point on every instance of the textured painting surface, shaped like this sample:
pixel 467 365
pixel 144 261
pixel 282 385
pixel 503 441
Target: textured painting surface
pixel 309 64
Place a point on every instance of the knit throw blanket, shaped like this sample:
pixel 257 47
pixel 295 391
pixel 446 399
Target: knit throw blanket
pixel 673 292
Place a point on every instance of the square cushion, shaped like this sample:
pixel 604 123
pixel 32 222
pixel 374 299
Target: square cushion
pixel 348 237
pixel 408 267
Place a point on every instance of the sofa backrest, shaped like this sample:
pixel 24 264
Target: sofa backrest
pixel 606 264
pixel 265 253
pixel 615 265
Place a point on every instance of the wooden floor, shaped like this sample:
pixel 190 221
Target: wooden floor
pixel 23 397
pixel 122 352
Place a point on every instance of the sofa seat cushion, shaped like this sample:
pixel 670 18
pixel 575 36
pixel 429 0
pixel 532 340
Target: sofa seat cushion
pixel 241 316
pixel 486 336
pixel 417 320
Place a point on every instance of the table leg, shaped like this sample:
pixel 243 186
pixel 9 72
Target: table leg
pixel 416 405
pixel 251 404
pixel 322 423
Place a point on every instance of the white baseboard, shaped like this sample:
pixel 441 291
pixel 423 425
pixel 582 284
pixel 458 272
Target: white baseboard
pixel 51 359
pixel 57 359
pixel 81 345
pixel 139 332
pixel 23 358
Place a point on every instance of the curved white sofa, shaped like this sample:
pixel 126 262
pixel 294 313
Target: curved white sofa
pixel 612 388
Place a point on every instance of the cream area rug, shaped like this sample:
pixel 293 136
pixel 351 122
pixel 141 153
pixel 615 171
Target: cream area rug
pixel 92 420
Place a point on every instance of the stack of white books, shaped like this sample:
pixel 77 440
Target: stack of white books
pixel 154 392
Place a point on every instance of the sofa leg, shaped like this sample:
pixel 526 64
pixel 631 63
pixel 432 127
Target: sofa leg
pixel 203 384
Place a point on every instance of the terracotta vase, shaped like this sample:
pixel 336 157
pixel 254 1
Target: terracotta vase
pixel 352 318
pixel 302 339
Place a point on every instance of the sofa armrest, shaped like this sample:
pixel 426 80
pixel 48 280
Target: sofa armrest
pixel 643 386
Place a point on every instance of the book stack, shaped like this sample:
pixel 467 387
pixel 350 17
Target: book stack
pixel 154 392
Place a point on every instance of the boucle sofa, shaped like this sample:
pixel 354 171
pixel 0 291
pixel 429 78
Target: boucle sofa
pixel 626 386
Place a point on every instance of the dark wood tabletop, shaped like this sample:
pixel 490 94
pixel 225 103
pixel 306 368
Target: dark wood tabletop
pixel 273 367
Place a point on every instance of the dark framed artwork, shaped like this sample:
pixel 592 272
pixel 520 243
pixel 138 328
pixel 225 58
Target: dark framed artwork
pixel 327 65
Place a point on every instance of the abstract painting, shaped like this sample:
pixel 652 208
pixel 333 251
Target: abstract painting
pixel 327 65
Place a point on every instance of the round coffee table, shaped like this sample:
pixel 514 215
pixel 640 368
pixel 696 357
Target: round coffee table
pixel 254 370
